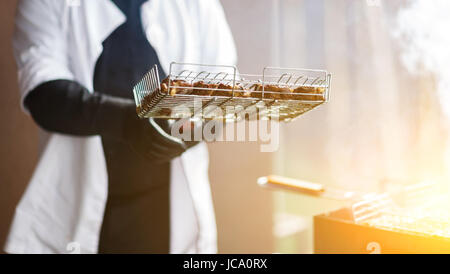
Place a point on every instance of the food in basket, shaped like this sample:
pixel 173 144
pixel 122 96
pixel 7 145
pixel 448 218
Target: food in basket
pixel 271 91
pixel 256 91
pixel 223 90
pixel 144 105
pixel 176 86
pixel 277 92
pixel 227 90
pixel 239 91
pixel 202 88
pixel 316 93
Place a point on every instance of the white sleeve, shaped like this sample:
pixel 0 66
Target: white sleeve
pixel 39 42
pixel 217 41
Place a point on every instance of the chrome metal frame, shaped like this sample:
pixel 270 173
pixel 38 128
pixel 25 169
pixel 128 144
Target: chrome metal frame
pixel 163 105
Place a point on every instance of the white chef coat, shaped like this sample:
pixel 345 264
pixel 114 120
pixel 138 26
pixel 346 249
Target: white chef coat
pixel 64 202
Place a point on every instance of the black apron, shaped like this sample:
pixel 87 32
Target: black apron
pixel 136 217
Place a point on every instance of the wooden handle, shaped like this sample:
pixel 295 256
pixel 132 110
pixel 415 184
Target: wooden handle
pixel 291 184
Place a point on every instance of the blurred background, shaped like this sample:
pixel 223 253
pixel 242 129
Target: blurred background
pixel 386 119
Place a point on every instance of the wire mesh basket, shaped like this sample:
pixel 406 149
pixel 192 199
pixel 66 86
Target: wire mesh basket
pixel 207 92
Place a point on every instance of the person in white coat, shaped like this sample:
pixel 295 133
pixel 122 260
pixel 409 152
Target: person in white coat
pixel 106 181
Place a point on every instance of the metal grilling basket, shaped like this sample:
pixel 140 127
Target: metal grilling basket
pixel 219 92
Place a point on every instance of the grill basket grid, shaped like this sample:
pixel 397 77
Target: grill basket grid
pixel 239 102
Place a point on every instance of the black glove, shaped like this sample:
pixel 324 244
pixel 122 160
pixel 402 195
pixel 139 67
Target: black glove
pixel 151 139
pixel 67 107
pixel 193 130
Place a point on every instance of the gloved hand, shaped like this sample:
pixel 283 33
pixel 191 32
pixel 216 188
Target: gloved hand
pixel 67 107
pixel 148 138
pixel 208 131
pixel 151 139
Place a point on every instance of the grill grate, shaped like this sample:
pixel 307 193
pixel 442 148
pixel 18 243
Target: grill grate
pixel 241 101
